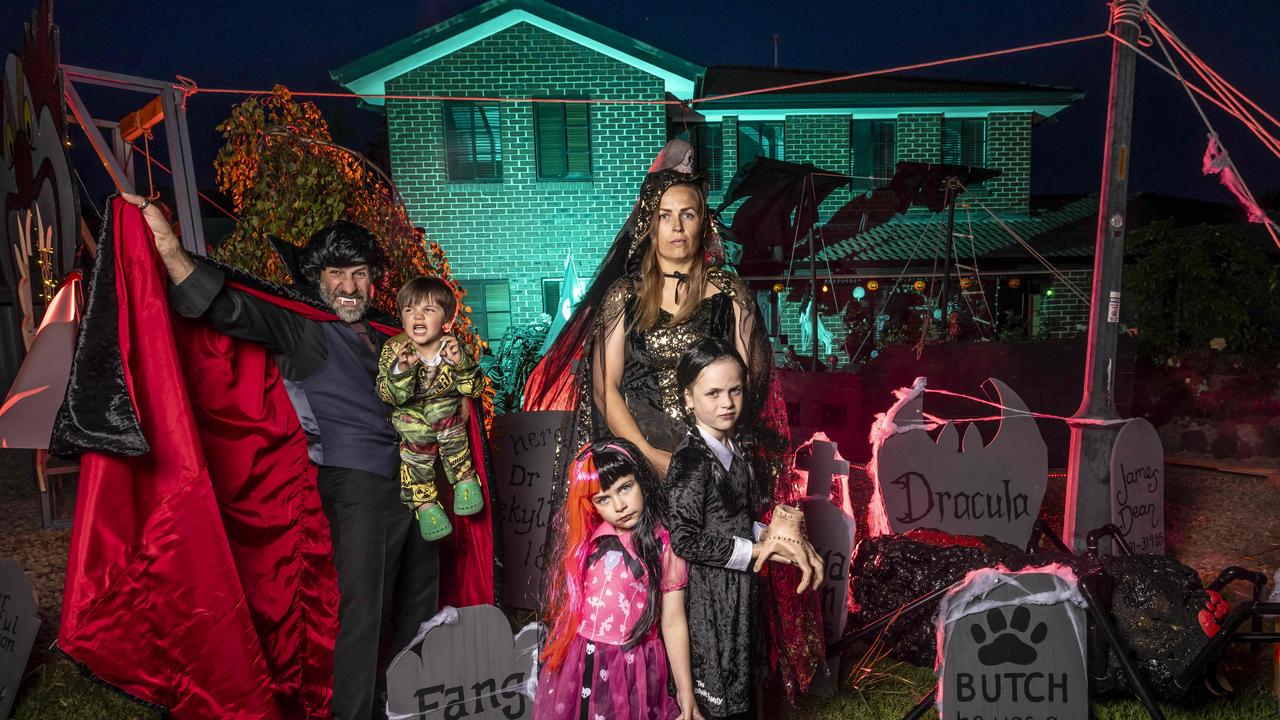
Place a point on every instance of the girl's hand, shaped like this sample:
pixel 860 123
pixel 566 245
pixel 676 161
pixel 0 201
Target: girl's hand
pixel 688 706
pixel 659 459
pixel 449 350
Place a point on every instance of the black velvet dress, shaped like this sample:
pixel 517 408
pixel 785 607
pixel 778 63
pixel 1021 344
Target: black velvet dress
pixel 707 507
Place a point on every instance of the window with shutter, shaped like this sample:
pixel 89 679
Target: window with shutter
pixel 964 142
pixel 473 141
pixel 551 296
pixel 708 151
pixel 759 139
pixel 874 152
pixel 562 134
pixel 490 302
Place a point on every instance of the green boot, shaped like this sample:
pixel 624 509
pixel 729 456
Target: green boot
pixel 467 498
pixel 432 522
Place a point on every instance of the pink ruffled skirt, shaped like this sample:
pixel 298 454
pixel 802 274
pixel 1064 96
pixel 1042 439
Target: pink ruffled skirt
pixel 612 683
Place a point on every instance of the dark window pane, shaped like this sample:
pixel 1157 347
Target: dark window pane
pixel 563 140
pixel 759 139
pixel 874 152
pixel 473 141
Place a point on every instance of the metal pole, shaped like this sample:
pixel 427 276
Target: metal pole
pixel 813 301
pixel 943 297
pixel 1088 502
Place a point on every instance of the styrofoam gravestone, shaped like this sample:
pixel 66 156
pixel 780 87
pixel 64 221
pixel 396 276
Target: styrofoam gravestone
pixel 1013 647
pixel 972 489
pixel 524 458
pixel 832 533
pixel 468 665
pixel 1137 486
pixel 19 621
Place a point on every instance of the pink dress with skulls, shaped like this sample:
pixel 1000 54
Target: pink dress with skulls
pixel 600 678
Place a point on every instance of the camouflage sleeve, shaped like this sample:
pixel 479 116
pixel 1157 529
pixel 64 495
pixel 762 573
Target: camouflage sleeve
pixel 395 388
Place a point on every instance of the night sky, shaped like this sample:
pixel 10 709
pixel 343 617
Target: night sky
pixel 253 44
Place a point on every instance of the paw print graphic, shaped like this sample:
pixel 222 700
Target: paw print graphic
pixel 1008 641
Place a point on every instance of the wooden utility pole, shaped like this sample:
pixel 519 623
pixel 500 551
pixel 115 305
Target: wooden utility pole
pixel 1088 503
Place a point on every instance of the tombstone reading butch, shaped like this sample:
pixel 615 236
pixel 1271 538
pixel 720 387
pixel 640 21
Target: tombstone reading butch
pixel 832 532
pixel 1013 647
pixel 467 666
pixel 1137 486
pixel 993 490
pixel 18 624
pixel 524 457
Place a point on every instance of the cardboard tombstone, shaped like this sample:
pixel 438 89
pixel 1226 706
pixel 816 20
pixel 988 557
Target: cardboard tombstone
pixel 524 459
pixel 972 489
pixel 1137 487
pixel 465 664
pixel 832 532
pixel 1011 645
pixel 19 620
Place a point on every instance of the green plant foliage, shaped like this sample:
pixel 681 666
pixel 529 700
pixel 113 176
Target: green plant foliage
pixel 509 366
pixel 1191 285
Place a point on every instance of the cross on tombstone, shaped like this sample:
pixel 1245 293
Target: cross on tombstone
pixel 832 535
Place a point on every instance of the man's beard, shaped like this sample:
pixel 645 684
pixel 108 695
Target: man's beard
pixel 347 313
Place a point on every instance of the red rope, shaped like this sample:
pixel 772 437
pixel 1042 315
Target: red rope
pixel 206 198
pixel 1017 412
pixel 904 68
pixel 188 87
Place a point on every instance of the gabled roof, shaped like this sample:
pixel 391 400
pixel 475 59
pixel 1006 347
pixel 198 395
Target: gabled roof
pixel 369 74
pixel 874 96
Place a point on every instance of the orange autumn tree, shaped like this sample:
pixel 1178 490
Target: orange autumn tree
pixel 286 178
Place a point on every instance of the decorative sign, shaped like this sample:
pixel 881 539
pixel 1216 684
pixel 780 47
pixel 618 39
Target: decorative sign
pixel 1137 486
pixel 467 666
pixel 1013 647
pixel 832 532
pixel 19 621
pixel 524 459
pixel 994 490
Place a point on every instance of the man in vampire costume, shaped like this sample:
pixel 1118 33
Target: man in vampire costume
pixel 217 429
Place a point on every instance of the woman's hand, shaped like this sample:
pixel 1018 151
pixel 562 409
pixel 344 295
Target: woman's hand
pixel 688 706
pixel 659 459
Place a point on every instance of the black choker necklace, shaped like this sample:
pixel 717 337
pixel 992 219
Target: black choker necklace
pixel 682 280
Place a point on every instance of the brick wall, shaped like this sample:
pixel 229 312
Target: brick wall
pixel 1009 150
pixel 522 228
pixel 919 138
pixel 1063 315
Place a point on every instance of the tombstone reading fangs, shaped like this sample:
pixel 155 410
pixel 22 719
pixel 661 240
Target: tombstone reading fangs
pixel 968 489
pixel 832 532
pixel 1137 487
pixel 467 665
pixel 19 621
pixel 524 458
pixel 1012 646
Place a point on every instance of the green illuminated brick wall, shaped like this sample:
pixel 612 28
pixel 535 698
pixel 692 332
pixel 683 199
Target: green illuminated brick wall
pixel 521 229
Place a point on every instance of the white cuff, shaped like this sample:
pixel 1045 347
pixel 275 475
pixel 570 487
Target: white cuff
pixel 758 529
pixel 741 557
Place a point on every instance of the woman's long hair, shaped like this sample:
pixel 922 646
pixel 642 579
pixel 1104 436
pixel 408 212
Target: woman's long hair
pixel 651 283
pixel 596 468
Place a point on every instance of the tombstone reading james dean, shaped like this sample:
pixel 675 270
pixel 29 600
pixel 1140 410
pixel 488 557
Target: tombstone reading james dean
pixel 18 624
pixel 971 489
pixel 1012 646
pixel 524 457
pixel 832 532
pixel 1137 487
pixel 468 665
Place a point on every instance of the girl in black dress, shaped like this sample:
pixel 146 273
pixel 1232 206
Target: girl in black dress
pixel 713 499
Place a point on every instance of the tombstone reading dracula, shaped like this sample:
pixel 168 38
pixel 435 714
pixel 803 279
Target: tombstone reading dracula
pixel 524 457
pixel 18 624
pixel 963 489
pixel 467 665
pixel 831 529
pixel 1137 487
pixel 1012 646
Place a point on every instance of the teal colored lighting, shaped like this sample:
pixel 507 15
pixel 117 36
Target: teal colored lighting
pixel 1049 292
pixel 859 293
pixel 937 313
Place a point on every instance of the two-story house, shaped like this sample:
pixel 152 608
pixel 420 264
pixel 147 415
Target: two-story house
pixel 511 189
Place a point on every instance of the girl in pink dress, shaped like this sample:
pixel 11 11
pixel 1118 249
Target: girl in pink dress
pixel 615 600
